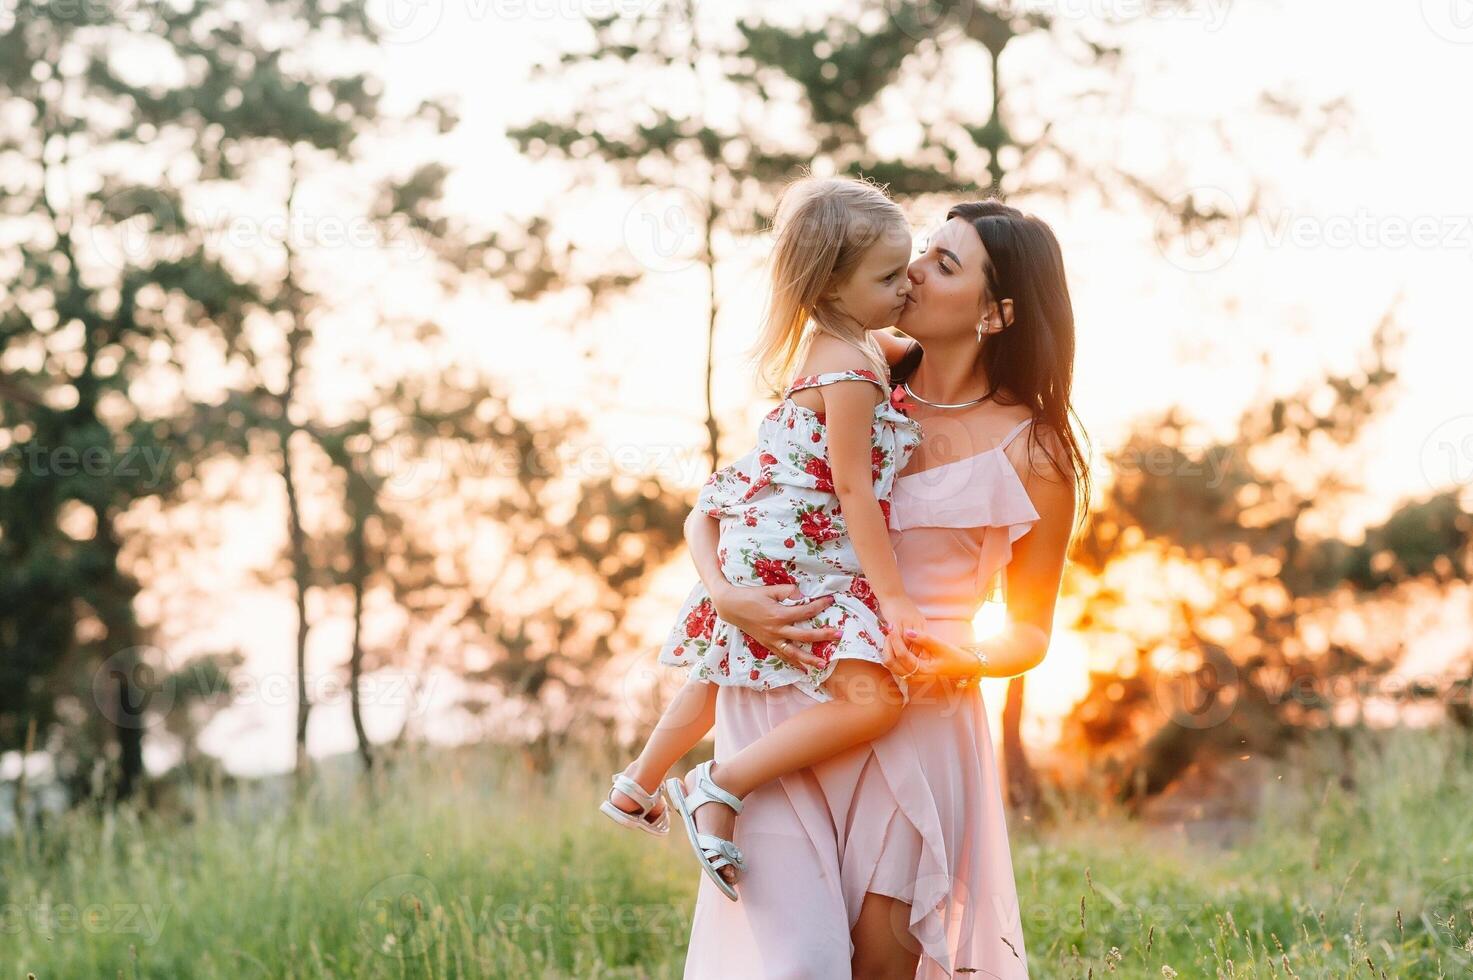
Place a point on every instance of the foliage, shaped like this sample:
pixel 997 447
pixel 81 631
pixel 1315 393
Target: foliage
pixel 1240 652
pixel 464 865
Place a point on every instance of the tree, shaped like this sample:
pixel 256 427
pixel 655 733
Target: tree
pixel 75 332
pixel 138 342
pixel 125 289
pixel 698 178
pixel 1247 661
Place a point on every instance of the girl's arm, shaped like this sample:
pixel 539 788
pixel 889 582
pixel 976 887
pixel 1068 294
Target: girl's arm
pixel 755 610
pixel 849 408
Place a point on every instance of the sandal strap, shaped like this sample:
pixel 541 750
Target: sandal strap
pixel 635 792
pixel 723 852
pixel 707 791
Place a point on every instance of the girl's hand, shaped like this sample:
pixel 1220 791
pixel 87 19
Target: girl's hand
pixel 933 657
pixel 756 611
pixel 903 617
pixel 901 659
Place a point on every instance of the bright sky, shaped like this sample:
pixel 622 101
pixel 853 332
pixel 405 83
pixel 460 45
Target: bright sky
pixel 1281 302
pixel 1385 210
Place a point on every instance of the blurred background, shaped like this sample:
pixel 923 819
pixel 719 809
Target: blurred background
pixel 359 363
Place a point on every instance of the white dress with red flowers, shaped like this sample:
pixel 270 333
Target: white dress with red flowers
pixel 781 523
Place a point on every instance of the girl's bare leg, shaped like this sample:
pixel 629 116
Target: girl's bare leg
pixel 686 720
pixel 866 705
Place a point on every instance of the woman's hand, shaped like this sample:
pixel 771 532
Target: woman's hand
pixel 929 656
pixel 756 611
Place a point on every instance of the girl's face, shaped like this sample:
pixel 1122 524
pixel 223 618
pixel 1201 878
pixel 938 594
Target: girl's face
pixel 875 294
pixel 948 293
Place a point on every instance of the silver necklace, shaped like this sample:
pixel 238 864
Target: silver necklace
pixel 974 401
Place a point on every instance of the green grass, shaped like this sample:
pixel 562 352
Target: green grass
pixel 466 866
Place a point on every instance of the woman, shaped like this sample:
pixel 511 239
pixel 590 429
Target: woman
pixel 892 859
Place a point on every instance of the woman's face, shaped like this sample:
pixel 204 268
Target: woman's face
pixel 948 287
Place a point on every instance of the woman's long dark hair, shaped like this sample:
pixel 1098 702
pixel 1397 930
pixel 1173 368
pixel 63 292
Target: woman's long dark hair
pixel 1032 360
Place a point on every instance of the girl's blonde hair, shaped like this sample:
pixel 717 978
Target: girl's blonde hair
pixel 823 227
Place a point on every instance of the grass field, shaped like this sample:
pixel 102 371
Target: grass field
pixel 466 866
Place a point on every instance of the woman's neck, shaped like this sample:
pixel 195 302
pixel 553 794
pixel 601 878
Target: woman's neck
pixel 949 376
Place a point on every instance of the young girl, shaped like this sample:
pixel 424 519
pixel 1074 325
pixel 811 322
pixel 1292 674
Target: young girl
pixel 808 506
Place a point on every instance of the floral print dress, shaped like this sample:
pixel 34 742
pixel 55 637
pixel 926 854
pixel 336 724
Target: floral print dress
pixel 781 523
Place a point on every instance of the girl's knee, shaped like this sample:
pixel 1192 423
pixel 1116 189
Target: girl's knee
pixel 870 686
pixel 888 705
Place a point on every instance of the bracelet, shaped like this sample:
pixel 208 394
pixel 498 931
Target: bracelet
pixel 981 655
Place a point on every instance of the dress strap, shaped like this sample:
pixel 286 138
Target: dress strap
pixel 829 377
pixel 1014 434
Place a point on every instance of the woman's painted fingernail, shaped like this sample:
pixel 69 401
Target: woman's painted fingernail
pixel 910 634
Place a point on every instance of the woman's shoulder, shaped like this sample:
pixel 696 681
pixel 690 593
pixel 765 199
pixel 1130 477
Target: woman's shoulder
pixel 895 347
pixel 1040 453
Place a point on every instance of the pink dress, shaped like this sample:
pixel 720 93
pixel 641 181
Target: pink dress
pixel 917 814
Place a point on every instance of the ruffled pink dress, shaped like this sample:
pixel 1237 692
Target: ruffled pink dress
pixel 918 813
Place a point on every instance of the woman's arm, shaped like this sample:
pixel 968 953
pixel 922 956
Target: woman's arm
pixel 755 610
pixel 702 537
pixel 1034 574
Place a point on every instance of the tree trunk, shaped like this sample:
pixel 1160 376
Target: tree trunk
pixel 358 572
pixel 129 727
pixel 713 434
pixel 108 588
pixel 1022 781
pixel 1164 757
pixel 708 253
pixel 300 581
pixel 1460 704
pixel 112 595
pixel 294 303
pixel 20 784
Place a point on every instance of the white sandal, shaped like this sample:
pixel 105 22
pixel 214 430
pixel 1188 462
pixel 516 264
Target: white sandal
pixel 713 852
pixel 661 825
